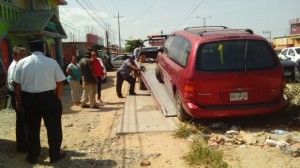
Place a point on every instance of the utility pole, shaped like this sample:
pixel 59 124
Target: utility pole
pixel 270 36
pixel 107 43
pixel 204 18
pixel 119 29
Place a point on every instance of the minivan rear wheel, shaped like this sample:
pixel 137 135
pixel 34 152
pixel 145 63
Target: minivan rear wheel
pixel 157 74
pixel 180 112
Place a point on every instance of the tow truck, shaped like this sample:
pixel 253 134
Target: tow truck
pixel 163 98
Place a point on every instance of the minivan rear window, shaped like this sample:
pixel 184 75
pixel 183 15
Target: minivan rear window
pixel 237 55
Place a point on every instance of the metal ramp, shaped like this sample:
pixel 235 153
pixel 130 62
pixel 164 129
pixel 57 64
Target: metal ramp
pixel 158 91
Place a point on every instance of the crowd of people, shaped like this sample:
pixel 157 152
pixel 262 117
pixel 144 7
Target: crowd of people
pixel 35 85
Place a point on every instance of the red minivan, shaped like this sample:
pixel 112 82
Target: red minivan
pixel 220 72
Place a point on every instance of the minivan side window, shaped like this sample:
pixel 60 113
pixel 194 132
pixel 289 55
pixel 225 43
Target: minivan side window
pixel 175 47
pixel 167 45
pixel 234 55
pixel 184 52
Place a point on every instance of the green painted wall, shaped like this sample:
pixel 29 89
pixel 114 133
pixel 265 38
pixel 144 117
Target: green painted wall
pixel 4 27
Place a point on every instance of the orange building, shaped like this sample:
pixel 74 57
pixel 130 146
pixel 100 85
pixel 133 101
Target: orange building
pixel 292 40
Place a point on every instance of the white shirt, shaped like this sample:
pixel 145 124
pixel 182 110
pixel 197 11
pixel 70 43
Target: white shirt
pixel 10 75
pixel 38 73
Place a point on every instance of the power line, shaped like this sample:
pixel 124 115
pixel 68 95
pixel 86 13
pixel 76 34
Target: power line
pixel 91 16
pixel 76 10
pixel 201 2
pixel 88 4
pixel 75 31
pixel 144 11
pixel 91 6
pixel 106 29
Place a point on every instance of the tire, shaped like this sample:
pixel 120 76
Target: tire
pixel 157 74
pixel 297 75
pixel 180 112
pixel 142 85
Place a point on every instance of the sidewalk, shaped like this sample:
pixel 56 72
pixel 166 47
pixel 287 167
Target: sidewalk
pixel 142 115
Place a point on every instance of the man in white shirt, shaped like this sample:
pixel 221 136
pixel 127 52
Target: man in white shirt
pixel 18 54
pixel 38 87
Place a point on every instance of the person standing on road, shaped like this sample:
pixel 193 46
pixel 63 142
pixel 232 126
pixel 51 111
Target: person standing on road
pixel 106 60
pixel 89 81
pixel 21 137
pixel 98 71
pixel 74 76
pixel 38 88
pixel 123 73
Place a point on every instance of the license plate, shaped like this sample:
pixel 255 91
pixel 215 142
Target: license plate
pixel 239 96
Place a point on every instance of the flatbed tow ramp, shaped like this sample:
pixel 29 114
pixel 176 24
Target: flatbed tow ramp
pixel 142 111
pixel 158 91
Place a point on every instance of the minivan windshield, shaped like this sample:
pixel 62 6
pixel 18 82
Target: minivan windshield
pixel 241 55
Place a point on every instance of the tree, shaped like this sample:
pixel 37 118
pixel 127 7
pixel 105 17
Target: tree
pixel 132 44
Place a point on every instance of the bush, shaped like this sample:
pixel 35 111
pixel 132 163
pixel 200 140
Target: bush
pixel 202 155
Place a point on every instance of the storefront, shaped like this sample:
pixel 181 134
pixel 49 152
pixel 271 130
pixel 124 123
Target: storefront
pixel 46 27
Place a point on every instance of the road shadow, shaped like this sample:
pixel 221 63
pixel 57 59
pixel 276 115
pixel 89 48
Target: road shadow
pixel 10 158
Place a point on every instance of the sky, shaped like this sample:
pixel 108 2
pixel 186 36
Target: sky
pixel 141 18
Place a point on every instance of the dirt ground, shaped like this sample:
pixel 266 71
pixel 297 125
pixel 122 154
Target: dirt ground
pixel 90 139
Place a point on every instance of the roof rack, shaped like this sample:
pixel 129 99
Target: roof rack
pixel 211 30
pixel 204 27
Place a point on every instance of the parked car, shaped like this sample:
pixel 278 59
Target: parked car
pixel 291 52
pixel 219 72
pixel 3 88
pixel 118 60
pixel 289 67
pixel 104 70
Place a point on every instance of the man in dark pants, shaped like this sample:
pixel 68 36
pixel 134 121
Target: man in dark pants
pixel 123 73
pixel 21 138
pixel 89 81
pixel 38 88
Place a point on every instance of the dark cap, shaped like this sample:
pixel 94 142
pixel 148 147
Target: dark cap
pixel 37 45
pixel 132 56
pixel 36 42
pixel 87 53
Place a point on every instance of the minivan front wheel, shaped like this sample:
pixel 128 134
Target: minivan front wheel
pixel 180 112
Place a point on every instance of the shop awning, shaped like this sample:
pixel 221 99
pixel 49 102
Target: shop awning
pixel 38 22
pixel 295 37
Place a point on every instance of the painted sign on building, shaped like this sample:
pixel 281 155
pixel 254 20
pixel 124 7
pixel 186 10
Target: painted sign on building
pixel 295 26
pixel 280 41
pixel 91 38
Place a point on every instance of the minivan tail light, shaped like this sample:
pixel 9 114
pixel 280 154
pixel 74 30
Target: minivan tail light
pixel 189 89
